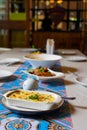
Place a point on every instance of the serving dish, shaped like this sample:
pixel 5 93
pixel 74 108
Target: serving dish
pixel 55 75
pixel 47 60
pixel 37 100
pixel 25 111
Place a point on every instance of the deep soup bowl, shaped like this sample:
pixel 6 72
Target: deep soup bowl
pixel 47 60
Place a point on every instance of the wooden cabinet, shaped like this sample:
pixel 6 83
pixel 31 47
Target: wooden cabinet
pixel 85 27
pixel 14 17
pixel 62 39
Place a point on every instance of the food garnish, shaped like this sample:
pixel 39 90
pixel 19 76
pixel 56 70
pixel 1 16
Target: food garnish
pixel 41 71
pixel 32 96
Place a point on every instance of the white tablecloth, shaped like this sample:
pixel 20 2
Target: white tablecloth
pixel 78 106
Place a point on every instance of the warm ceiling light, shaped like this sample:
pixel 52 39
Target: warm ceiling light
pixel 52 1
pixel 60 1
pixel 47 3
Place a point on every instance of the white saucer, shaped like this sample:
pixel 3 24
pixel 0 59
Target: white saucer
pixel 9 60
pixel 66 51
pixel 76 58
pixel 5 74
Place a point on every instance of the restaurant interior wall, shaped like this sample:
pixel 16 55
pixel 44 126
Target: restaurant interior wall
pixel 14 23
pixel 85 29
pixel 30 17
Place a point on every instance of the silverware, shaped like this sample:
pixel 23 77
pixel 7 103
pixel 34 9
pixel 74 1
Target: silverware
pixel 69 98
pixel 65 98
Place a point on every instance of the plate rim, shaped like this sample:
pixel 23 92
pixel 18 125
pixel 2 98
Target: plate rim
pixel 14 60
pixel 10 73
pixel 12 108
pixel 67 52
pixel 83 58
pixel 58 57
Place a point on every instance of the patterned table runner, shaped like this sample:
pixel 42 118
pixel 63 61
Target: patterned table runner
pixel 57 120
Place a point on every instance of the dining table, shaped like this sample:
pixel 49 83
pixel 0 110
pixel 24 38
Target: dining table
pixel 71 115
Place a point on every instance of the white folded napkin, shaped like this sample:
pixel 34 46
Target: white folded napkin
pixel 50 46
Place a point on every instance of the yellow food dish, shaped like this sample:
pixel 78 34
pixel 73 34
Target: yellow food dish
pixel 32 96
pixel 35 100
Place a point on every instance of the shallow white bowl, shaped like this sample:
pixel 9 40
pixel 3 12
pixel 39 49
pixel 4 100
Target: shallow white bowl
pixel 46 60
pixel 58 75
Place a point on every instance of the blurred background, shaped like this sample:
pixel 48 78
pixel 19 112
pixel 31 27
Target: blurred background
pixel 28 23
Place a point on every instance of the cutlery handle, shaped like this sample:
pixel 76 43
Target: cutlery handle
pixel 69 98
pixel 65 98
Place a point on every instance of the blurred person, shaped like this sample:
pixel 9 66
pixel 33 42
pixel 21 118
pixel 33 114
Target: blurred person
pixel 47 22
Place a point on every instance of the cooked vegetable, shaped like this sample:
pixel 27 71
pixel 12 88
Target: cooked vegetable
pixel 41 71
pixel 32 96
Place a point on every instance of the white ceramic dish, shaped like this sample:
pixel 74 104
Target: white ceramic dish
pixel 5 74
pixel 76 58
pixel 58 75
pixel 5 49
pixel 30 84
pixel 25 111
pixel 46 60
pixel 66 51
pixel 82 80
pixel 9 60
pixel 42 106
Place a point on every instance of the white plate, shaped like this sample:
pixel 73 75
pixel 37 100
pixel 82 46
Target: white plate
pixel 5 74
pixel 80 92
pixel 82 80
pixel 5 49
pixel 9 60
pixel 42 78
pixel 76 58
pixel 66 51
pixel 27 111
pixel 29 50
pixel 40 106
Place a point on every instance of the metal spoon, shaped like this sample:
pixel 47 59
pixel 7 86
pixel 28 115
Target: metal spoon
pixel 65 98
